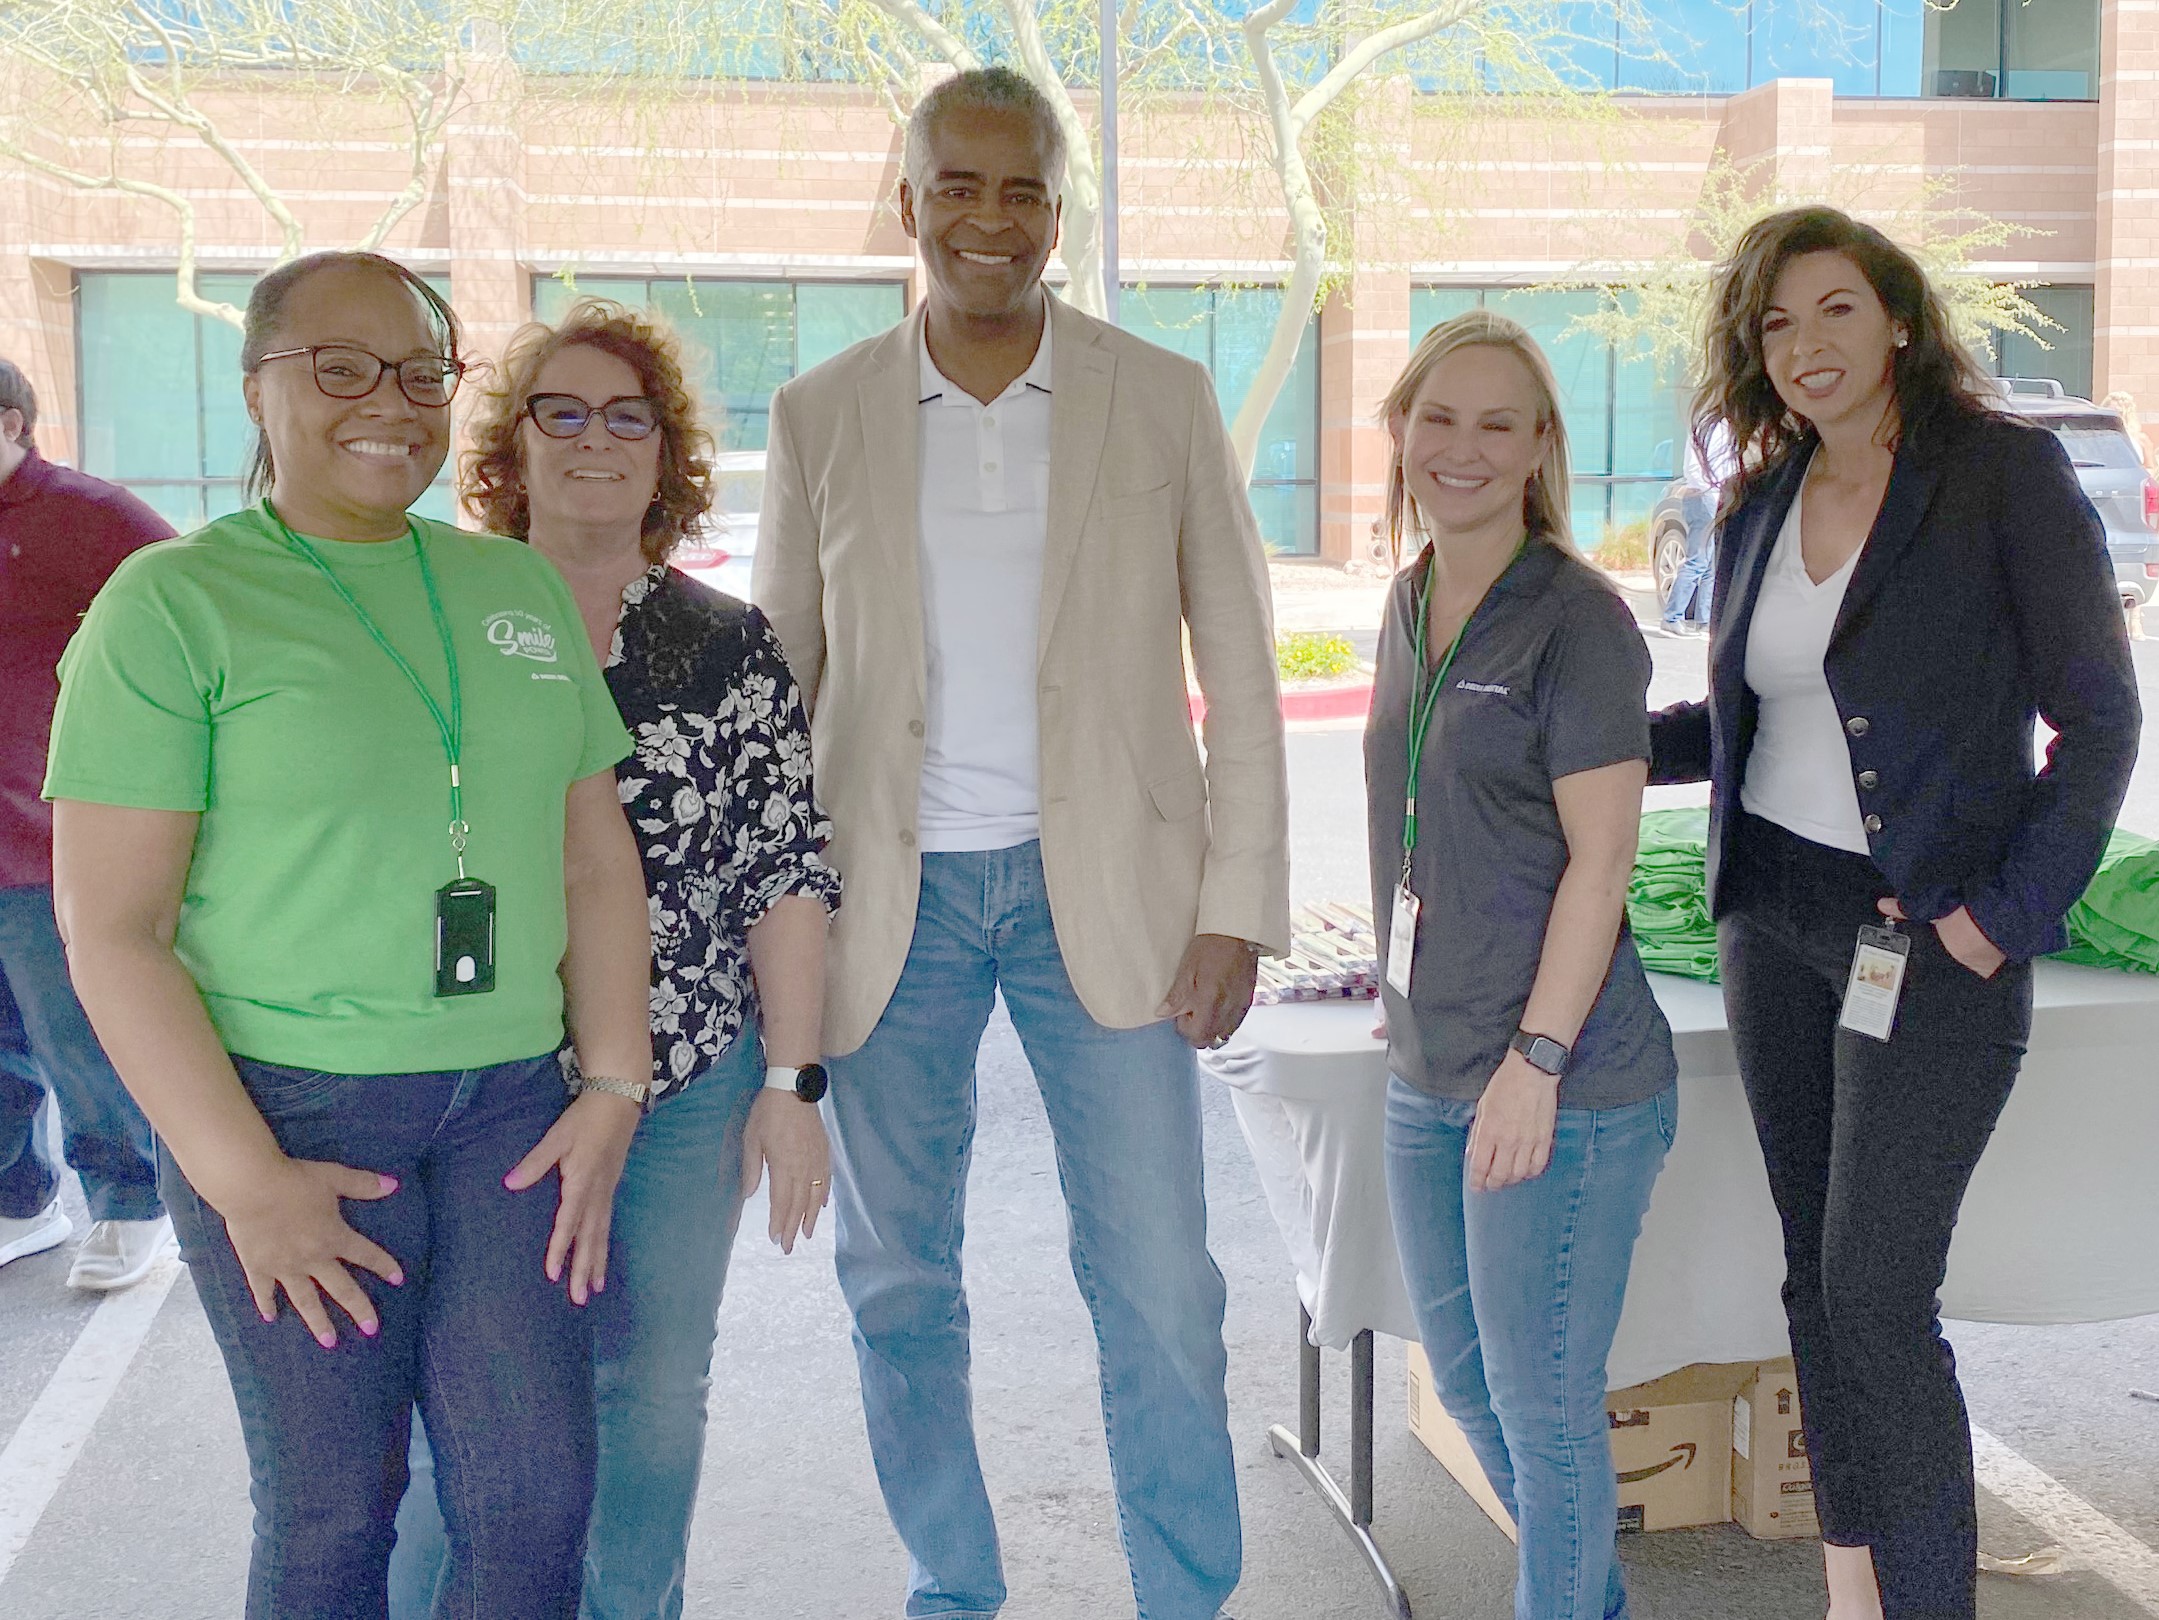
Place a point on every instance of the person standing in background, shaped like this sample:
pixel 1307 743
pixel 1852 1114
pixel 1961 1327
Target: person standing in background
pixel 1710 466
pixel 62 533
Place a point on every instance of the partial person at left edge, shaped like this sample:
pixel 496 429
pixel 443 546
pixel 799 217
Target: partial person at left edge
pixel 62 533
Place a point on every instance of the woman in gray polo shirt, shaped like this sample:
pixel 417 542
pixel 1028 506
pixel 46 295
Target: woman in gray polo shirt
pixel 1533 1097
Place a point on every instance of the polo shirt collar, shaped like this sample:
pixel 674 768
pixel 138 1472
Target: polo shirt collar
pixel 937 388
pixel 30 478
pixel 1531 571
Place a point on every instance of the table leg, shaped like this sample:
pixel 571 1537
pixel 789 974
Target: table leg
pixel 1302 1449
pixel 1307 1385
pixel 1360 1427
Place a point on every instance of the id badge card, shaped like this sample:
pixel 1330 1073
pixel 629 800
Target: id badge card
pixel 1877 982
pixel 465 938
pixel 1402 940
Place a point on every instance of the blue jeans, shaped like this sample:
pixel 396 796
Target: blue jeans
pixel 1517 1296
pixel 1691 586
pixel 1124 1112
pixel 46 1041
pixel 495 1355
pixel 676 1210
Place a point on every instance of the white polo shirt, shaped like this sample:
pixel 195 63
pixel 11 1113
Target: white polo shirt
pixel 983 477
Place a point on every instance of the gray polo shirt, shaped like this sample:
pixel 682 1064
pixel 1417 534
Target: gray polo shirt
pixel 1551 679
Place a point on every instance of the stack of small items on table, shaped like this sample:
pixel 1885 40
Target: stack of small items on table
pixel 1333 956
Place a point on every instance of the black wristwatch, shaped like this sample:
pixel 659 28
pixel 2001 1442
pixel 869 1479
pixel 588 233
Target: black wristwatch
pixel 1542 1052
pixel 809 1082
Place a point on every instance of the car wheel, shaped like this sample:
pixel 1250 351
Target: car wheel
pixel 1665 556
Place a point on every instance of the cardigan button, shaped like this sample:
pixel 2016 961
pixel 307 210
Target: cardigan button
pixel 1857 725
pixel 1867 779
pixel 1873 824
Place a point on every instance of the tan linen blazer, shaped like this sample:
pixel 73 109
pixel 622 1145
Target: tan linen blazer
pixel 1150 538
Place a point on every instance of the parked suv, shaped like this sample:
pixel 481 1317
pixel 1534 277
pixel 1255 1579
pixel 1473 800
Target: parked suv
pixel 2125 496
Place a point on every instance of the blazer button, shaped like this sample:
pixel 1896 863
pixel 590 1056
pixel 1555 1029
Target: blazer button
pixel 914 728
pixel 1873 824
pixel 1857 725
pixel 907 838
pixel 1867 779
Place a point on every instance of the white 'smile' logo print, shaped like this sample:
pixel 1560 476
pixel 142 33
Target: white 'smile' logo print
pixel 521 635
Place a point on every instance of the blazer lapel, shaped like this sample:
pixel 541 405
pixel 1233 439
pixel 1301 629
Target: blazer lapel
pixel 891 429
pixel 1912 480
pixel 1082 374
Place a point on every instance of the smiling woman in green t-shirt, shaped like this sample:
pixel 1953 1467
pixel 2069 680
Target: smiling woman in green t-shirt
pixel 336 832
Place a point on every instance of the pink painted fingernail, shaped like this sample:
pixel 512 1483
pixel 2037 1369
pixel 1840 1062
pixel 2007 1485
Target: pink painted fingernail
pixel 389 1184
pixel 397 1279
pixel 327 1340
pixel 268 1316
pixel 370 1328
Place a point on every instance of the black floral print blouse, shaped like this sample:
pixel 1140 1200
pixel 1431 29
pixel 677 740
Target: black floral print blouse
pixel 719 796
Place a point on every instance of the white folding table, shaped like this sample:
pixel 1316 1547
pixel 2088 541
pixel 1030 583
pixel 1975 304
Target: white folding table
pixel 2057 1227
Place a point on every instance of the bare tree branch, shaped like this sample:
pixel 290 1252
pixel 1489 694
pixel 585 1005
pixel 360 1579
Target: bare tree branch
pixel 187 294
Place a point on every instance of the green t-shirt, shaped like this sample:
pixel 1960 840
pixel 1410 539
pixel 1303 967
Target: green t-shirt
pixel 221 673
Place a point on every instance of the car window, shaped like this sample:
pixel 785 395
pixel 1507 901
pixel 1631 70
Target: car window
pixel 2098 447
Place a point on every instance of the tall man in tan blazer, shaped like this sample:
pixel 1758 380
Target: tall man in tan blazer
pixel 985 534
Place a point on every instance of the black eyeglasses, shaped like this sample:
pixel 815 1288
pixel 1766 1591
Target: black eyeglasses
pixel 348 373
pixel 564 416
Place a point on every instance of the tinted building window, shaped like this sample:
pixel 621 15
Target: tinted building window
pixel 745 337
pixel 2067 356
pixel 1227 330
pixel 2023 50
pixel 1623 411
pixel 159 396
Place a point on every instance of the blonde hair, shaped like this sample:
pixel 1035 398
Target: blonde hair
pixel 1545 497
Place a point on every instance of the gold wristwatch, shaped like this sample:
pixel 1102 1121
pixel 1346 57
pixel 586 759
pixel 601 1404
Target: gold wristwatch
pixel 638 1091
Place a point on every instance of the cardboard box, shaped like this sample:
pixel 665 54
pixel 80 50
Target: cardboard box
pixel 1671 1445
pixel 1666 1437
pixel 1772 1482
pixel 1444 1439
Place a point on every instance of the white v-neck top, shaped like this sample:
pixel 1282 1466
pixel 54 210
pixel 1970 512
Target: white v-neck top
pixel 1799 771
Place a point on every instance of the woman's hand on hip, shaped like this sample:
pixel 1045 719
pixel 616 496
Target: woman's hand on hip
pixel 1511 1138
pixel 586 1146
pixel 291 1234
pixel 786 1136
pixel 1960 937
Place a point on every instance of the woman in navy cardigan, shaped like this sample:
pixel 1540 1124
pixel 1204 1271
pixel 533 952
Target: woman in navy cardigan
pixel 1906 579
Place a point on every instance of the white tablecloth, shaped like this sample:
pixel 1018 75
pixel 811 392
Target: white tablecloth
pixel 2061 1225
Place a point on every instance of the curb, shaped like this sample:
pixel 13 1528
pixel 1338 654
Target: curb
pixel 1316 703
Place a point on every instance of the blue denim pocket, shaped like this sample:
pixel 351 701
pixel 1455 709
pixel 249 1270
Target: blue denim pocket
pixel 278 1089
pixel 1667 1102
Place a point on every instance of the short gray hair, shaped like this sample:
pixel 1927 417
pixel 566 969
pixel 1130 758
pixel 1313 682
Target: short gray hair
pixel 998 89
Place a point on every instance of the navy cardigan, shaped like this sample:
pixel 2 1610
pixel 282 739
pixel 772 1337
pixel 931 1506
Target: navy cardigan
pixel 1983 599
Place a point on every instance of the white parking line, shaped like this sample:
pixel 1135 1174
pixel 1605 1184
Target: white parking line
pixel 2095 1541
pixel 52 1433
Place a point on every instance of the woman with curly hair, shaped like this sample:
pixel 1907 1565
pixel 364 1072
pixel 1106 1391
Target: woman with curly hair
pixel 589 448
pixel 1907 578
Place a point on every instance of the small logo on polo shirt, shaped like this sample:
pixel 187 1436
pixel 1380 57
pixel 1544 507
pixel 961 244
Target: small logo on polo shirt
pixel 521 635
pixel 1483 686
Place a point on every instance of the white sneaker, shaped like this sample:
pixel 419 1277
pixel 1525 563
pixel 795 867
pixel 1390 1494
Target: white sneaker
pixel 22 1235
pixel 119 1254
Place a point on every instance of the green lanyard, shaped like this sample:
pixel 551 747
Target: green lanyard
pixel 452 725
pixel 1424 690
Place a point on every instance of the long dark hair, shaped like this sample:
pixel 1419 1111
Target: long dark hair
pixel 266 314
pixel 1933 376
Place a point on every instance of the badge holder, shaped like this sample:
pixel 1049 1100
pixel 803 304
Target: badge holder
pixel 1877 982
pixel 464 927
